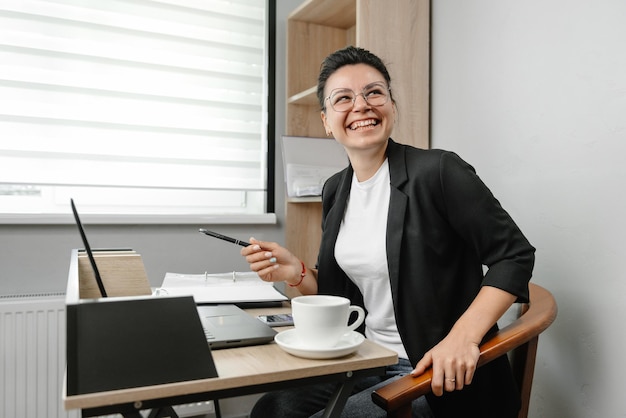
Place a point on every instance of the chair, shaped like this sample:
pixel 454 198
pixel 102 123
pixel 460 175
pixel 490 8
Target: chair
pixel 518 339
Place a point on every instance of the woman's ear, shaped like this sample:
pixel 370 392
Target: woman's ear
pixel 324 122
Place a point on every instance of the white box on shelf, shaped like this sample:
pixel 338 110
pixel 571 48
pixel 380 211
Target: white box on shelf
pixel 309 162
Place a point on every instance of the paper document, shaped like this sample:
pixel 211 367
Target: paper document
pixel 232 287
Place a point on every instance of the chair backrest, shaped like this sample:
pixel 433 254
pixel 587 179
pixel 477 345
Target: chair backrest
pixel 519 339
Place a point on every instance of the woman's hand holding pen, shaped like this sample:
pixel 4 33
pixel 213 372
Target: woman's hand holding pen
pixel 272 262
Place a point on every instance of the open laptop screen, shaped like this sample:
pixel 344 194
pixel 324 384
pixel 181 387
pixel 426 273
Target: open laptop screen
pixel 92 260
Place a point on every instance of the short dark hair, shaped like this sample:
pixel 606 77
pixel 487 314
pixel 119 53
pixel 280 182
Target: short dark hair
pixel 350 55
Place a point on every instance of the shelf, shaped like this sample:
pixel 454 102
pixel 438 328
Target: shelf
pixel 311 199
pixel 334 13
pixel 307 97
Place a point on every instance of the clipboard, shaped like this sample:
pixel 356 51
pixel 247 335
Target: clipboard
pixel 231 287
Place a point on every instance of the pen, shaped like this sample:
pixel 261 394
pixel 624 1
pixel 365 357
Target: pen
pixel 224 237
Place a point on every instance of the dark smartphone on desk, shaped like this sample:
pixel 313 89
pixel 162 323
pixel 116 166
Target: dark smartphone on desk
pixel 277 320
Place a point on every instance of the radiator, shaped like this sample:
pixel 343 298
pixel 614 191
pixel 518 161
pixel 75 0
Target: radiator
pixel 32 360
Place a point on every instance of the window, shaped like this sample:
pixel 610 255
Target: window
pixel 137 109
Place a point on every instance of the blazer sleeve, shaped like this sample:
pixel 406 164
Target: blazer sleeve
pixel 480 220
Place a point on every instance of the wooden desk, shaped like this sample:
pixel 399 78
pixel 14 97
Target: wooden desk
pixel 243 371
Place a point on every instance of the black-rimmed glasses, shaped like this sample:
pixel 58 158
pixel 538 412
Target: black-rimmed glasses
pixel 342 100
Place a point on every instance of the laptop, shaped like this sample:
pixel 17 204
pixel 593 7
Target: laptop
pixel 228 326
pixel 224 326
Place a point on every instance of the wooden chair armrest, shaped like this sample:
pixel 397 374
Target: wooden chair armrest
pixel 541 312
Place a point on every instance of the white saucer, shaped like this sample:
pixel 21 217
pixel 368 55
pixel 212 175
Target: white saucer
pixel 349 343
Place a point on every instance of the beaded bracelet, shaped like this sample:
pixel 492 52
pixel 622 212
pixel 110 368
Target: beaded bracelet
pixel 302 274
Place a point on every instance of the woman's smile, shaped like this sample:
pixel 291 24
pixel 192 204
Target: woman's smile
pixel 361 125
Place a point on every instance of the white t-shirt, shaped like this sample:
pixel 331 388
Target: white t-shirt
pixel 361 252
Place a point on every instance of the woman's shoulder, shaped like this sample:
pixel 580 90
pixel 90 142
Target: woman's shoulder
pixel 432 154
pixel 427 159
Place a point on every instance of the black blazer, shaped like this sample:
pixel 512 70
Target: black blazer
pixel 443 225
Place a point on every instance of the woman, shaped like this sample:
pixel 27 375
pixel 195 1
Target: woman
pixel 405 234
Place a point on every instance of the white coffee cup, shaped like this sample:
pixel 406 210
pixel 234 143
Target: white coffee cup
pixel 322 320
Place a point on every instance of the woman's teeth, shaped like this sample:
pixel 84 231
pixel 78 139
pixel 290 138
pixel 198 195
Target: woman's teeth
pixel 363 123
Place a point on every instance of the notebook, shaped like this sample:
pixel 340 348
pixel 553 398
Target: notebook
pixel 224 325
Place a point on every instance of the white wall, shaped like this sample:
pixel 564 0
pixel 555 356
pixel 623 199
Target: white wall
pixel 533 94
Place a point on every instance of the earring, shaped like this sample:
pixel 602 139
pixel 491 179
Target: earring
pixel 328 133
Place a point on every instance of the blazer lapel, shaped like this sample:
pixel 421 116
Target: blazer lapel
pixel 397 210
pixel 337 210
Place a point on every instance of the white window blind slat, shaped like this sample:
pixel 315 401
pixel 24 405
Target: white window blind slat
pixel 161 95
pixel 196 149
pixel 182 54
pixel 153 112
pixel 236 26
pixel 136 81
pixel 150 174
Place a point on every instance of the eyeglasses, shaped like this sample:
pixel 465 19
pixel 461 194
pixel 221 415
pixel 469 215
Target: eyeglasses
pixel 342 100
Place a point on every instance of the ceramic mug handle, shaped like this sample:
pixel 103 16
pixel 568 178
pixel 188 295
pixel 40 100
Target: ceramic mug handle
pixel 359 320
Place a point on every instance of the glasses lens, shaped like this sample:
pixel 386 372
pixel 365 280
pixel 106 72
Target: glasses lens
pixel 376 95
pixel 342 100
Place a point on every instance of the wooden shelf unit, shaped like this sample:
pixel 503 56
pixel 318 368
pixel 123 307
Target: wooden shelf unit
pixel 399 33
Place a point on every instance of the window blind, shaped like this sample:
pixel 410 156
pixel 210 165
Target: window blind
pixel 156 105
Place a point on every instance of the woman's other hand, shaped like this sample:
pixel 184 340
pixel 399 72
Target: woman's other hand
pixel 453 361
pixel 455 358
